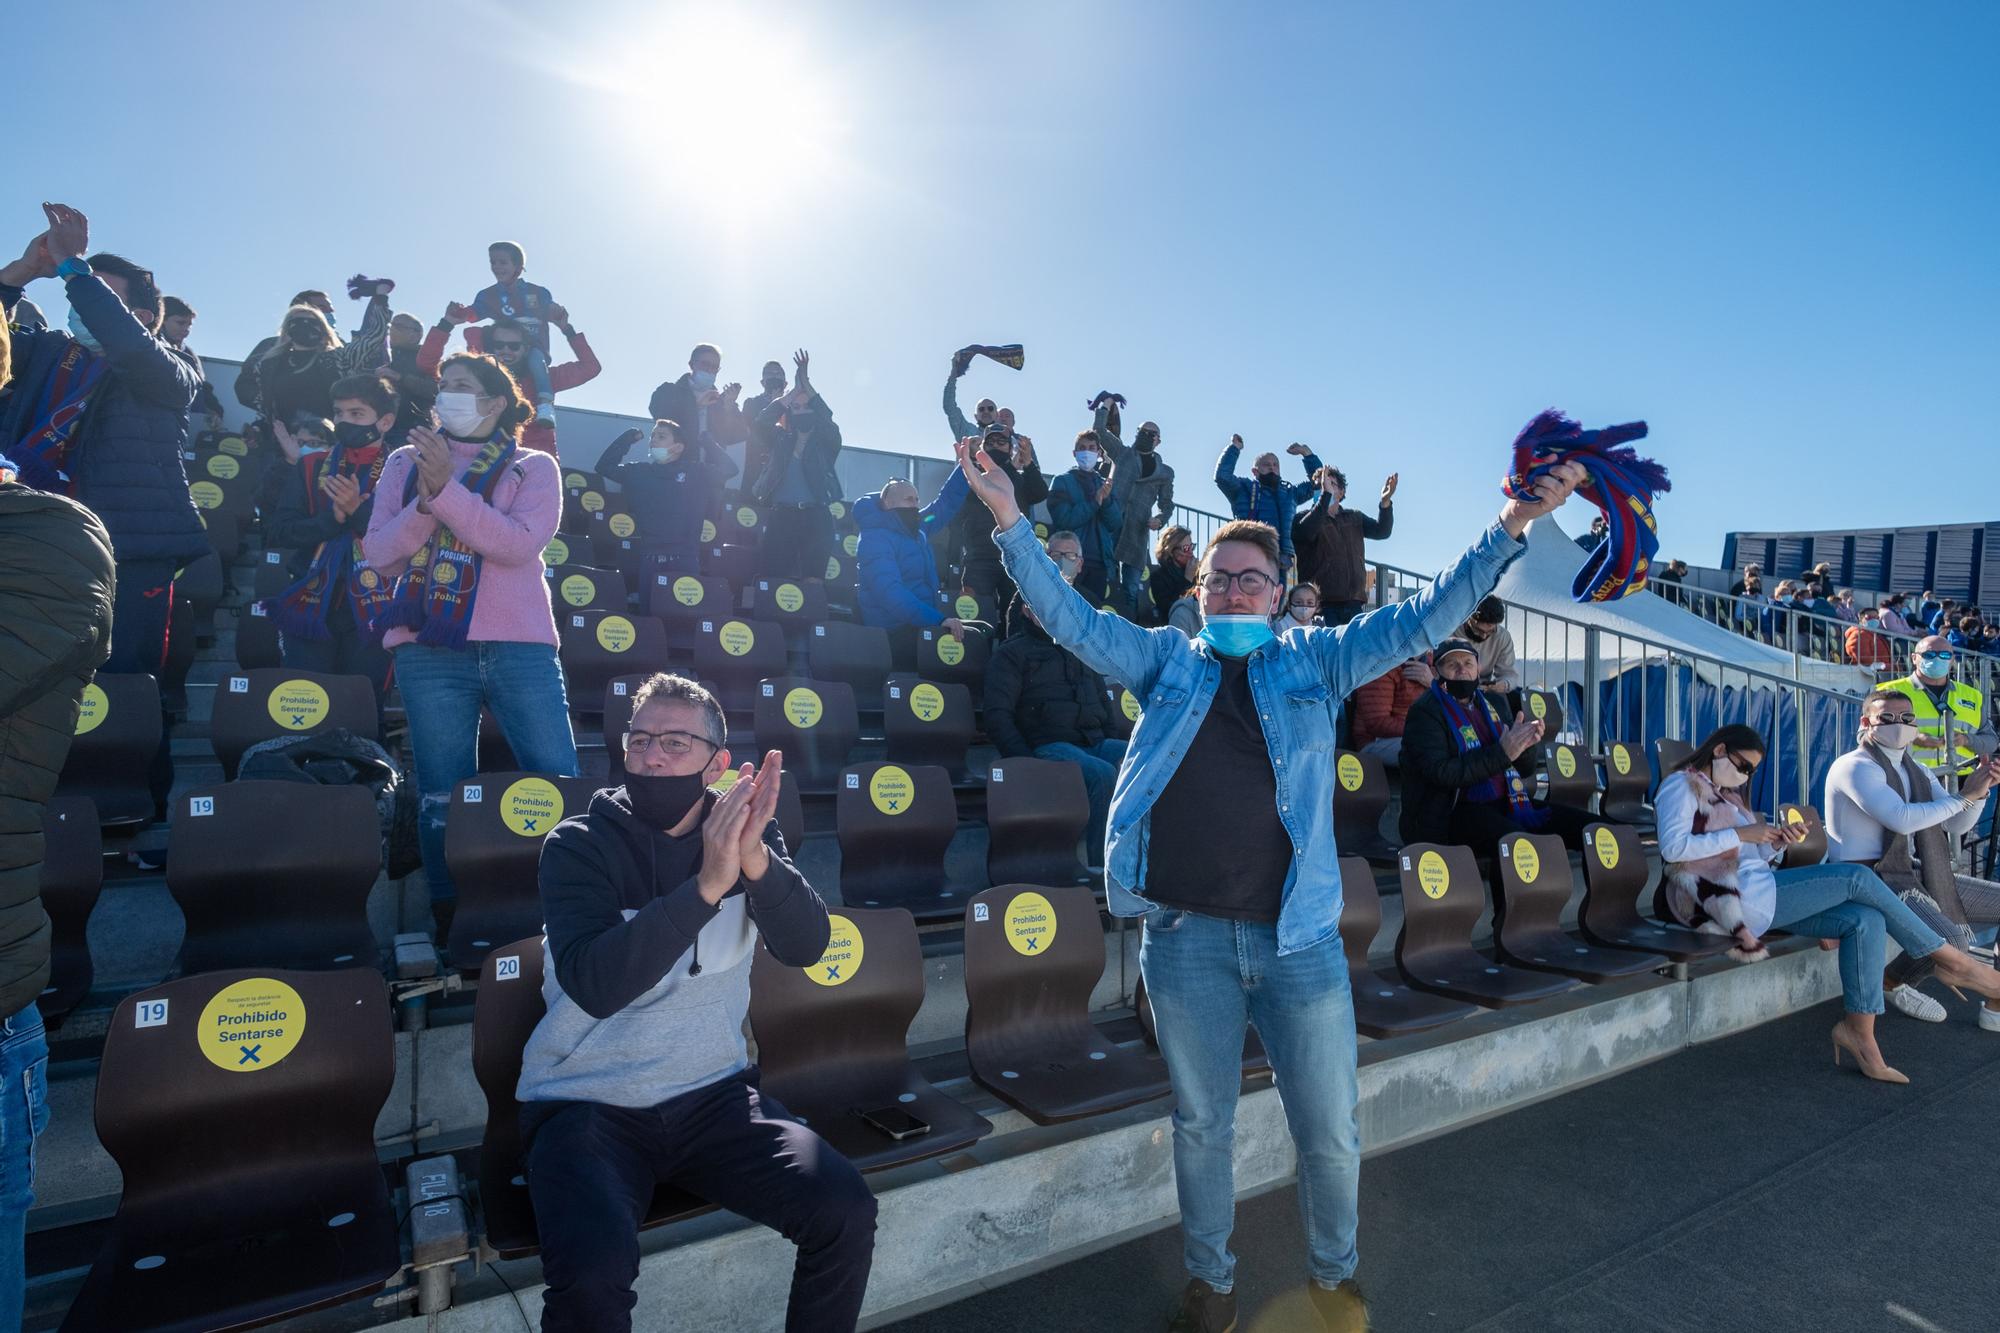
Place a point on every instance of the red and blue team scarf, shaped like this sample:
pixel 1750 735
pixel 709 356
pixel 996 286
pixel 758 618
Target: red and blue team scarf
pixel 43 452
pixel 1008 354
pixel 1621 483
pixel 435 595
pixel 1480 725
pixel 302 610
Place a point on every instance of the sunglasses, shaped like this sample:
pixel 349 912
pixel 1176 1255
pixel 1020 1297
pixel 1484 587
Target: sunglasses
pixel 508 347
pixel 1890 719
pixel 1737 762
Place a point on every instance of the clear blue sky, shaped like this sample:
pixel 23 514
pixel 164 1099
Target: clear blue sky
pixel 1391 231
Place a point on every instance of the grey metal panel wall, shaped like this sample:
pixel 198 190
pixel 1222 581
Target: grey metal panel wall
pixel 1910 569
pixel 1871 561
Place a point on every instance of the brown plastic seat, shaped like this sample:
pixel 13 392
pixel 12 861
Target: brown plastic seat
pixel 493 848
pixel 1667 753
pixel 72 877
pixel 117 734
pixel 1383 1007
pixel 275 874
pixel 856 654
pixel 736 564
pixel 618 695
pixel 1033 955
pixel 971 606
pixel 733 653
pixel 928 722
pixel 740 520
pixel 941 657
pixel 1813 850
pixel 252 1191
pixel 812 722
pixel 586 588
pixel 682 601
pixel 599 646
pixel 253 706
pixel 1627 782
pixel 1360 796
pixel 616 539
pixel 1036 813
pixel 894 824
pixel 257 642
pixel 795 604
pixel 1256 1060
pixel 840 579
pixel 1571 775
pixel 831 1041
pixel 583 501
pixel 1615 873
pixel 1528 901
pixel 1548 707
pixel 504 1014
pixel 1443 897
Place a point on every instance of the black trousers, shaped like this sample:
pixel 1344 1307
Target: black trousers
pixel 798 540
pixel 592 1170
pixel 1482 824
pixel 141 610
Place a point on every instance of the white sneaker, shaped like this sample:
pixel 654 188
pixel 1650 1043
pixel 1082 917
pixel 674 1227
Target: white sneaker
pixel 1989 1019
pixel 1909 1000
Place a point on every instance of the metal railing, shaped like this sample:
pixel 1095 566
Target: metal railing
pixel 1813 636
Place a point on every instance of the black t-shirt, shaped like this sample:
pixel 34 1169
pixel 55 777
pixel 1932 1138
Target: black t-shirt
pixel 1217 844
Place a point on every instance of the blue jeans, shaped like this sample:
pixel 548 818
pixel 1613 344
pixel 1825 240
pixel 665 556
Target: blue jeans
pixel 1132 579
pixel 1850 903
pixel 24 1114
pixel 1100 773
pixel 443 690
pixel 1206 976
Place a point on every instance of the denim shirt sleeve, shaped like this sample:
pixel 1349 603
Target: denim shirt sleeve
pixel 1370 644
pixel 1108 644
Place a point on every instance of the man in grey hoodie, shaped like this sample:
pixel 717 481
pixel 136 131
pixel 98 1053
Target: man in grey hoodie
pixel 638 1075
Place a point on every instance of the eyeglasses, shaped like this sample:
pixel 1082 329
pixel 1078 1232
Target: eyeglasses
pixel 674 743
pixel 1254 582
pixel 1891 719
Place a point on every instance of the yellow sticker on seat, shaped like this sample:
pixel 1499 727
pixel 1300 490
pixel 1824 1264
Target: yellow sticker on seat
pixel 622 525
pixel 1605 843
pixel 844 950
pixel 578 589
pixel 251 1025
pixel 892 790
pixel 1433 876
pixel 1349 771
pixel 1128 704
pixel 531 807
pixel 556 552
pixel 1565 761
pixel 837 509
pixel 949 650
pixel 92 709
pixel 1030 924
pixel 576 481
pixel 1538 705
pixel 788 597
pixel 687 590
pixel 1527 861
pixel 206 494
pixel 1621 760
pixel 803 708
pixel 736 638
pixel 708 530
pixel 746 517
pixel 1795 817
pixel 851 544
pixel 616 634
pixel 927 702
pixel 233 444
pixel 298 705
pixel 592 501
pixel 833 568
pixel 966 608
pixel 225 466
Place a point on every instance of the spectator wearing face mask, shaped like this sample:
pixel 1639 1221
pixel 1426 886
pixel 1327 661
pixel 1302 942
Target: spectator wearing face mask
pixel 897 570
pixel 1893 618
pixel 671 488
pixel 1329 542
pixel 1301 607
pixel 1265 497
pixel 1937 700
pixel 1082 500
pixel 416 385
pixel 511 342
pixel 800 441
pixel 980 571
pixel 1487 632
pixel 702 406
pixel 772 382
pixel 1173 570
pixel 1750 571
pixel 1382 708
pixel 249 388
pixel 1142 488
pixel 1865 643
pixel 295 375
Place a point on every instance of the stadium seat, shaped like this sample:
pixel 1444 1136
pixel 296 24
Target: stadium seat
pixel 1256 1060
pixel 1668 753
pixel 736 565
pixel 240 1107
pixel 1571 775
pixel 1382 1007
pixel 1033 954
pixel 1122 715
pixel 275 874
pixel 600 646
pixel 1614 875
pixel 740 522
pixel 928 722
pixel 586 588
pixel 256 631
pixel 893 824
pixel 1813 850
pixel 733 654
pixel 857 654
pixel 618 694
pixel 1627 780
pixel 72 877
pixel 504 1014
pixel 582 503
pixel 117 734
pixel 1036 812
pixel 1528 901
pixel 795 604
pixel 942 657
pixel 971 606
pixel 493 847
pixel 791 815
pixel 1548 707
pixel 831 1041
pixel 840 580
pixel 1360 796
pixel 683 601
pixel 253 706
pixel 1443 897
pixel 814 724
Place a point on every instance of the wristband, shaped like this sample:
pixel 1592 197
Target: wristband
pixel 73 267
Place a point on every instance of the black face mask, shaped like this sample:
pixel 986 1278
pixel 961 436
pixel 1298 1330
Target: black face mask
pixel 312 335
pixel 910 518
pixel 353 435
pixel 1461 689
pixel 996 445
pixel 1269 479
pixel 774 387
pixel 1146 442
pixel 663 800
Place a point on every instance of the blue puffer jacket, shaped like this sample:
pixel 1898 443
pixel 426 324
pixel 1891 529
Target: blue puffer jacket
pixel 126 456
pixel 1277 505
pixel 898 573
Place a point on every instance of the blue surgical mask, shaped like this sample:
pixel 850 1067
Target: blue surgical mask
pixel 1237 636
pixel 82 334
pixel 704 379
pixel 1934 665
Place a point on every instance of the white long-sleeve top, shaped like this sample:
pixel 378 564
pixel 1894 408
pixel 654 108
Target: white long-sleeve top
pixel 1862 809
pixel 1674 809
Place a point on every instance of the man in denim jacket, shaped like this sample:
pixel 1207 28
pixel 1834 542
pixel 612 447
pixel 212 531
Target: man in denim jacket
pixel 1238 876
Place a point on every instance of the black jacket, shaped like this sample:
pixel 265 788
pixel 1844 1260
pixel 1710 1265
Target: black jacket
pixel 1038 693
pixel 1434 772
pixel 1168 584
pixel 815 449
pixel 972 531
pixel 55 629
pixel 675 401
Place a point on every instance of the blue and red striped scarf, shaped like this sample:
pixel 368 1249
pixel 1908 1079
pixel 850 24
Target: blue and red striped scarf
pixel 435 595
pixel 302 610
pixel 43 452
pixel 1621 483
pixel 1474 727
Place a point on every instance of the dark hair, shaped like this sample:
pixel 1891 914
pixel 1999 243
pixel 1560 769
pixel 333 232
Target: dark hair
pixel 142 293
pixel 308 423
pixel 511 250
pixel 1084 437
pixel 671 425
pixel 1260 535
pixel 507 324
pixel 497 383
pixel 710 348
pixel 170 306
pixel 1731 736
pixel 668 687
pixel 311 296
pixel 1306 585
pixel 1339 477
pixel 1490 611
pixel 375 389
pixel 1883 697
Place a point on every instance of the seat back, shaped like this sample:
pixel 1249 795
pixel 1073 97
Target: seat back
pixel 1033 955
pixel 493 847
pixel 72 878
pixel 1443 898
pixel 927 722
pixel 682 601
pixel 1360 910
pixel 1571 775
pixel 741 521
pixel 893 824
pixel 1121 714
pixel 734 653
pixel 117 733
pixel 845 1019
pixel 586 588
pixel 599 646
pixel 1360 795
pixel 1668 753
pixel 1533 888
pixel 1813 850
pixel 275 874
pixel 1614 874
pixel 1546 706
pixel 734 564
pixel 1626 776
pixel 253 706
pixel 812 722
pixel 942 657
pixel 504 1014
pixel 1036 813
pixel 857 654
pixel 794 604
pixel 582 504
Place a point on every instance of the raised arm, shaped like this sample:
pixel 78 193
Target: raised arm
pixel 142 363
pixel 960 427
pixel 370 346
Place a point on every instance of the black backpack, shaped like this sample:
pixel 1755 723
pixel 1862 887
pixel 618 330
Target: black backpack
pixel 339 758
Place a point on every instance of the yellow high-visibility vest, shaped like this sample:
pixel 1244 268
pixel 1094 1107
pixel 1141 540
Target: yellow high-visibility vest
pixel 1967 709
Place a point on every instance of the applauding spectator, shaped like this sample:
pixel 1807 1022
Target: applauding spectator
pixel 1329 543
pixel 699 404
pixel 897 570
pixel 800 441
pixel 1266 497
pixel 1081 501
pixel 295 374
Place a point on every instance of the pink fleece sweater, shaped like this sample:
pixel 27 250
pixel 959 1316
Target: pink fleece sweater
pixel 509 535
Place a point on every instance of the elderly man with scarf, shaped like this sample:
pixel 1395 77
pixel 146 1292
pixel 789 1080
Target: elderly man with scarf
pixel 1882 805
pixel 1265 496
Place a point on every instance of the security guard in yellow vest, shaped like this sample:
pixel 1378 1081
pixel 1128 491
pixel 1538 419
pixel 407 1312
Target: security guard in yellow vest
pixel 1932 693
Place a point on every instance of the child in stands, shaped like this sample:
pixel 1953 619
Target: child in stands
pixel 527 304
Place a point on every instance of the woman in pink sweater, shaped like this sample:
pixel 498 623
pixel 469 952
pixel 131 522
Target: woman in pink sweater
pixel 461 516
